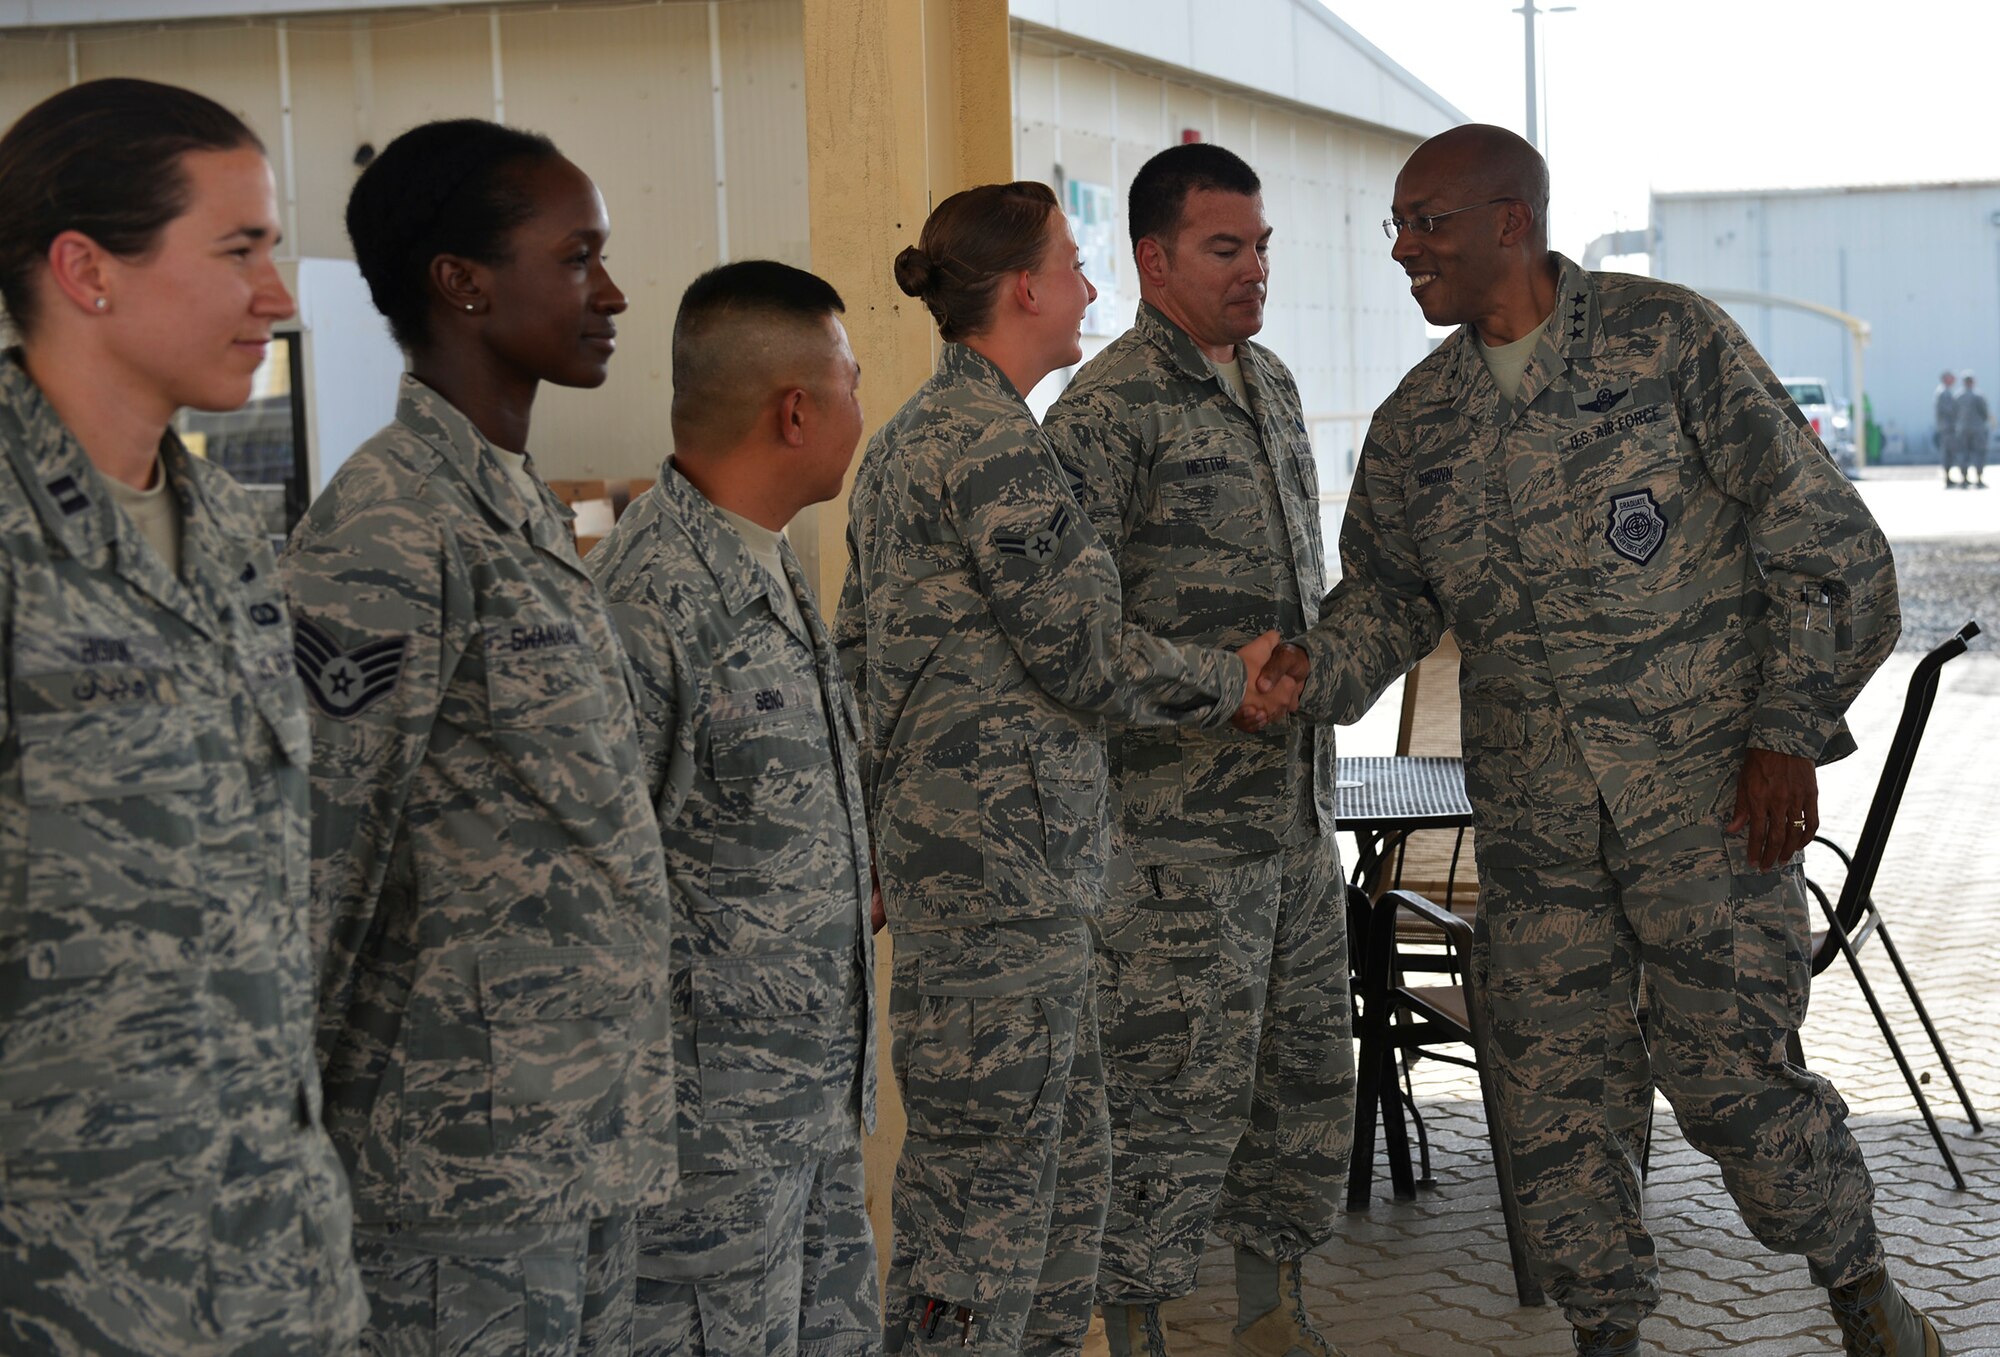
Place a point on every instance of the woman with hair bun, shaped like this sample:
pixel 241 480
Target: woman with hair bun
pixel 493 1013
pixel 165 1185
pixel 981 628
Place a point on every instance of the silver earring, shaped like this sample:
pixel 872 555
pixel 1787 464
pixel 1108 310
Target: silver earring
pixel 102 303
pixel 468 306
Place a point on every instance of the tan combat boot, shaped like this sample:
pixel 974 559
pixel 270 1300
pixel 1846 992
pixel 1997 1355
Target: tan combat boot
pixel 1271 1317
pixel 1134 1331
pixel 1875 1320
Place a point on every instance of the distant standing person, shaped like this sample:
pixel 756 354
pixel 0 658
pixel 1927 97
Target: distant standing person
pixel 1974 422
pixel 1944 406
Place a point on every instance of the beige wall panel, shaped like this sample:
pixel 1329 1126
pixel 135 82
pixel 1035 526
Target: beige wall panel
pixel 31 69
pixel 624 93
pixel 763 120
pixel 236 67
pixel 327 128
pixel 426 67
pixel 1086 95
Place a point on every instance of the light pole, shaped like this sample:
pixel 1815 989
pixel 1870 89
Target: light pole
pixel 1527 11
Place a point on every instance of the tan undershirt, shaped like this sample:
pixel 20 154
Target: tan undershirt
pixel 1507 362
pixel 763 546
pixel 156 513
pixel 1232 375
pixel 515 464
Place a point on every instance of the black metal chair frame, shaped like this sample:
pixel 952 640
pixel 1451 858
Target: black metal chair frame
pixel 1396 1020
pixel 1855 917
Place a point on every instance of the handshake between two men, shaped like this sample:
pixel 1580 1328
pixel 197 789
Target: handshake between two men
pixel 1274 680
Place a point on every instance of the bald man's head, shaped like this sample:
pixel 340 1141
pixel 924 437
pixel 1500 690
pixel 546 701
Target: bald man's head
pixel 746 332
pixel 1478 162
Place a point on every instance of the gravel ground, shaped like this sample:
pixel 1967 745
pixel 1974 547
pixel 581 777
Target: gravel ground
pixel 1943 582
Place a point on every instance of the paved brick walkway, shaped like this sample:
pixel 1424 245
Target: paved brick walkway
pixel 1431 1277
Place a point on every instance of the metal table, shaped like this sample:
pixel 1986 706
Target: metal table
pixel 1385 800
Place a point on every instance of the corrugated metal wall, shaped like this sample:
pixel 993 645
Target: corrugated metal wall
pixel 1340 313
pixel 626 93
pixel 1920 264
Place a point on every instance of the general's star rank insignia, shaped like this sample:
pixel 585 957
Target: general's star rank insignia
pixel 343 684
pixel 1038 543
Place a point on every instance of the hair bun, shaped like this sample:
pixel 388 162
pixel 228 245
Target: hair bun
pixel 914 271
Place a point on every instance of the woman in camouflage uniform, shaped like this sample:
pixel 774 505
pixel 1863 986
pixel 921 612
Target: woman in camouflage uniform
pixel 981 628
pixel 165 1185
pixel 493 1015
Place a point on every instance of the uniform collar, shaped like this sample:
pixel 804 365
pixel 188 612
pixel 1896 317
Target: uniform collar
pixel 471 454
pixel 1573 332
pixel 77 510
pixel 961 363
pixel 1180 350
pixel 738 577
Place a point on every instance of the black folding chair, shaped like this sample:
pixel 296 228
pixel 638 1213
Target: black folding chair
pixel 1855 917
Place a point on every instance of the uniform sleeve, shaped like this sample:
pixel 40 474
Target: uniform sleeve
pixel 850 643
pixel 6 647
pixel 1100 459
pixel 1828 578
pixel 1053 589
pixel 1383 616
pixel 664 700
pixel 381 610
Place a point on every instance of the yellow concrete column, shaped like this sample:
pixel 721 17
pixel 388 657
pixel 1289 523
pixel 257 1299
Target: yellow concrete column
pixel 907 101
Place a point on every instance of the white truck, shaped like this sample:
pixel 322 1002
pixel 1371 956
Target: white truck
pixel 1829 422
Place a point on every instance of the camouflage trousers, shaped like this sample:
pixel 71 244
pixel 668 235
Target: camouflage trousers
pixel 1558 955
pixel 999 1195
pixel 768 1261
pixel 560 1290
pixel 260 1263
pixel 1972 451
pixel 1229 1062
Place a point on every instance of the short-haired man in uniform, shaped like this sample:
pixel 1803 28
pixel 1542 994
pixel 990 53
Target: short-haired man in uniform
pixel 747 732
pixel 1944 423
pixel 1666 595
pixel 1222 950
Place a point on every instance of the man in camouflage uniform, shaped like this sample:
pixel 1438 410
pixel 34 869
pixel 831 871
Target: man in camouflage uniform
pixel 1973 422
pixel 487 874
pixel 747 734
pixel 1666 596
pixel 1222 971
pixel 980 626
pixel 1944 408
pixel 165 1186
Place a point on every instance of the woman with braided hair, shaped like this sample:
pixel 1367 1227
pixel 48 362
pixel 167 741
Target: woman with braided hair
pixel 486 871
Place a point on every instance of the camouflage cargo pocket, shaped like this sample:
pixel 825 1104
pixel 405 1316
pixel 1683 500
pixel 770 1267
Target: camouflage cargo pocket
pixel 558 1023
pixel 1154 970
pixel 987 1052
pixel 540 674
pixel 761 1027
pixel 774 789
pixel 108 1081
pixel 1070 782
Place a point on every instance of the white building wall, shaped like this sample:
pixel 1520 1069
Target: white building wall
pixel 1920 263
pixel 1340 313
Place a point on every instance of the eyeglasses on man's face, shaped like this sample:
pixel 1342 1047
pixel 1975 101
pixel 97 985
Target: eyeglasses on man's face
pixel 1393 227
